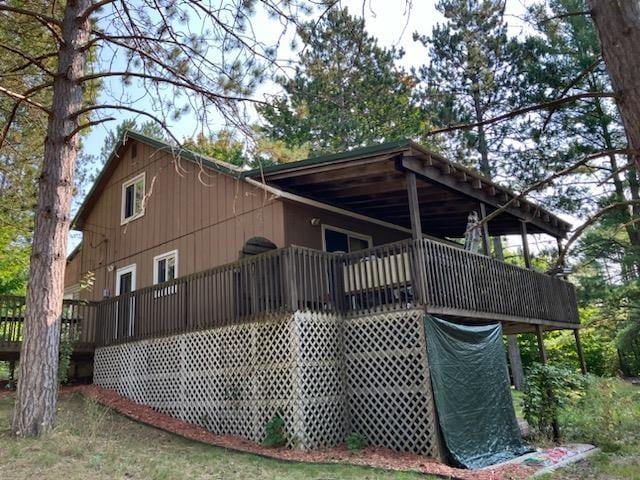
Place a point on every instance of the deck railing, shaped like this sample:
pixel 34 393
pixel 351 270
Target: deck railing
pixel 451 281
pixel 78 322
pixel 286 279
pixel 444 279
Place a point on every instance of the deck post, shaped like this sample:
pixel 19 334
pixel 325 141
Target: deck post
pixel 485 230
pixel 525 245
pixel 541 349
pixel 416 233
pixel 414 206
pixel 583 364
pixel 12 373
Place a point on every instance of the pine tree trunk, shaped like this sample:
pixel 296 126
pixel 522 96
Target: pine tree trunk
pixel 35 406
pixel 618 25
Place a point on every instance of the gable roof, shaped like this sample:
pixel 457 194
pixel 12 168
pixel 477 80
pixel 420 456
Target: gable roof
pixel 115 157
pixel 398 156
pixel 353 180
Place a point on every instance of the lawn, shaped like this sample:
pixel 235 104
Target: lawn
pixel 93 442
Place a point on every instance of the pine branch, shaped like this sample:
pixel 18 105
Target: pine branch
pixel 553 104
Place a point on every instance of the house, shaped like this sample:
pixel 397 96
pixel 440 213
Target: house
pixel 225 297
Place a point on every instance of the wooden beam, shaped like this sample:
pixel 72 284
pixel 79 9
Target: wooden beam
pixel 583 364
pixel 414 206
pixel 541 350
pixel 525 245
pixel 433 174
pixel 485 230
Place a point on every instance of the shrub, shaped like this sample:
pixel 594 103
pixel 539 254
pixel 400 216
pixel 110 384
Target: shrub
pixel 275 432
pixel 607 415
pixel 67 343
pixel 547 390
pixel 355 441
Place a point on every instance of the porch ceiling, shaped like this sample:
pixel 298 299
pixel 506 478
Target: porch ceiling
pixel 374 184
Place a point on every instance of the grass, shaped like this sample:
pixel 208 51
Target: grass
pixel 91 441
pixel 608 416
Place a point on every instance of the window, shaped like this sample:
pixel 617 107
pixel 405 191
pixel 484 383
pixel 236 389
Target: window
pixel 133 199
pixel 165 267
pixel 336 239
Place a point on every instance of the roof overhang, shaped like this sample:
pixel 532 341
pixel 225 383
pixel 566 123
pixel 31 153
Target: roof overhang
pixel 372 182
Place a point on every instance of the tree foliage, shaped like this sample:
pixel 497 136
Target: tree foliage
pixel 347 91
pixel 469 78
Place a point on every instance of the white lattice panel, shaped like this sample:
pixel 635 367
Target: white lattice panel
pixel 328 376
pixel 387 376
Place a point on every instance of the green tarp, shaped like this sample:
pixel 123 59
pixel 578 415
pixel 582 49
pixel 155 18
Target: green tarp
pixel 472 393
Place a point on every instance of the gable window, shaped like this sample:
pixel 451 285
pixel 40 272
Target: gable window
pixel 165 267
pixel 336 239
pixel 133 198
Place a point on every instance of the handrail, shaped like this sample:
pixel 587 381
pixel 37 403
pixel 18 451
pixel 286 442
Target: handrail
pixel 78 320
pixel 443 279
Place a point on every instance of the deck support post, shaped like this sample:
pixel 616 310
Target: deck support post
pixel 515 361
pixel 12 374
pixel 541 350
pixel 485 230
pixel 583 364
pixel 525 245
pixel 414 206
pixel 416 233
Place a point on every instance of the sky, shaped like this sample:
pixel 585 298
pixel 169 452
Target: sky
pixel 388 20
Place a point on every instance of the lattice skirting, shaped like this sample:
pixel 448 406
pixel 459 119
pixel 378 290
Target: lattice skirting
pixel 328 376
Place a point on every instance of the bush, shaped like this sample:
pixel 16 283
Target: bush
pixel 67 343
pixel 355 441
pixel 275 432
pixel 547 390
pixel 606 415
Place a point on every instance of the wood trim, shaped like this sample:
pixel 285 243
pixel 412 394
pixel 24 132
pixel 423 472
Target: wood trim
pixel 434 174
pixel 341 211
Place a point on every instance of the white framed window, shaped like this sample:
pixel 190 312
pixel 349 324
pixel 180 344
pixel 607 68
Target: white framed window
pixel 165 269
pixel 335 239
pixel 133 191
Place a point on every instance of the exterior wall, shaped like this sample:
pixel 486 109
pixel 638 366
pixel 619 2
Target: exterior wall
pixel 206 219
pixel 72 273
pixel 327 375
pixel 299 231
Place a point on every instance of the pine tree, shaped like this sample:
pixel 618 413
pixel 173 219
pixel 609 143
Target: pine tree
pixel 470 78
pixel 346 92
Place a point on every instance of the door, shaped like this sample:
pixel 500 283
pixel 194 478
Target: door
pixel 125 283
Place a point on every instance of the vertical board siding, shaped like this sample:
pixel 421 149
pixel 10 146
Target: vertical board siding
pixel 206 215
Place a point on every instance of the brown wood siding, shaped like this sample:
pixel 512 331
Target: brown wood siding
pixel 72 272
pixel 206 220
pixel 299 231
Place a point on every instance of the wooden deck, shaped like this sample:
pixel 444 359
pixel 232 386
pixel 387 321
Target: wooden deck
pixel 444 280
pixel 78 323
